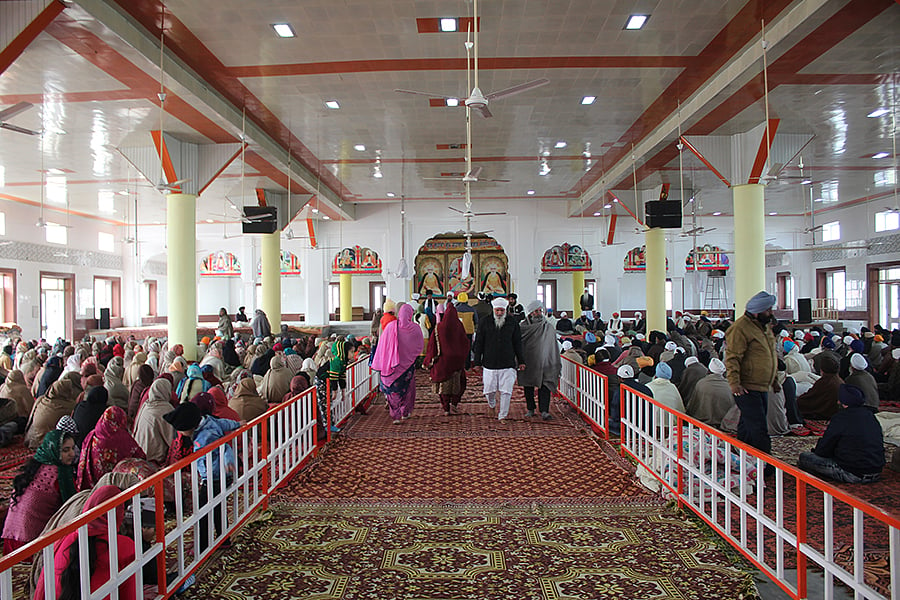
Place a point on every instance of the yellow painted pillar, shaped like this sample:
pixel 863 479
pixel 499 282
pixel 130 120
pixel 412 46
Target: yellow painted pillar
pixel 577 290
pixel 271 279
pixel 181 245
pixel 655 254
pixel 346 297
pixel 749 243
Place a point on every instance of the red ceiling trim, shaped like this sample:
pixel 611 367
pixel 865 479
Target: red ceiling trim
pixel 67 97
pixel 612 229
pixel 704 160
pixel 311 228
pixel 198 57
pixel 64 211
pixel 762 153
pixel 433 24
pixel 14 50
pixel 224 166
pixel 459 64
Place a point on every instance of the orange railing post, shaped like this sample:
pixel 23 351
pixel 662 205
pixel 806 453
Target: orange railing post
pixel 328 409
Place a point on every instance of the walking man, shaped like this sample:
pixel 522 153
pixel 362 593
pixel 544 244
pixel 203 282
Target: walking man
pixel 498 348
pixel 751 363
pixel 542 361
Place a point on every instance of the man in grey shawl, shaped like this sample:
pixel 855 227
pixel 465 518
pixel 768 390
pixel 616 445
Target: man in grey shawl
pixel 711 399
pixel 542 362
pixel 694 371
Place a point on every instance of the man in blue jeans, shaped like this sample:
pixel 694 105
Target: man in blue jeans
pixel 852 448
pixel 751 365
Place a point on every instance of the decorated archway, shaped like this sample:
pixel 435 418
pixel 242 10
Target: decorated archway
pixel 220 264
pixel 565 258
pixel 440 261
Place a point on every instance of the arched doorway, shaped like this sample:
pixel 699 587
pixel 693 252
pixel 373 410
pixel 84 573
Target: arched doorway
pixel 439 266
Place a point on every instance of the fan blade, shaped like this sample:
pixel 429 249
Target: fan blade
pixel 497 180
pixel 475 172
pixel 429 94
pixel 484 111
pixel 18 129
pixel 517 89
pixel 487 214
pixel 441 178
pixel 8 113
pixel 456 210
pixel 708 230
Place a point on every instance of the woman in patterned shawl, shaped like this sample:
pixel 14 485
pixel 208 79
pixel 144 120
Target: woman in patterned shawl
pixel 105 446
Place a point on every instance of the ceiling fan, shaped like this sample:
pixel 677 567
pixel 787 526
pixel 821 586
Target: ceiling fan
pixel 12 111
pixel 477 100
pixel 697 231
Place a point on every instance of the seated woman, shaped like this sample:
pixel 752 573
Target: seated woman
pixel 45 482
pixel 105 446
pixel 66 558
pixel 48 409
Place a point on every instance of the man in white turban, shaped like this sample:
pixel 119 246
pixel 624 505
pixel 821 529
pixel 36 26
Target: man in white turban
pixel 542 359
pixel 498 349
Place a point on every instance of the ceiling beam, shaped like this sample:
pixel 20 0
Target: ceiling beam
pixel 112 16
pixel 745 63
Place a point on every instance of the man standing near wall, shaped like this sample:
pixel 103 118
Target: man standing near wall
pixel 498 347
pixel 751 365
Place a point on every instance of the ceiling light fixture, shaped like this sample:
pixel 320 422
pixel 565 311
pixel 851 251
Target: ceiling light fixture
pixel 360 147
pixel 326 217
pixel 806 181
pixel 449 25
pixel 881 155
pixel 284 30
pixel 878 112
pixel 717 213
pixel 210 221
pixel 315 211
pixel 588 99
pixel 545 168
pixel 596 214
pixel 530 192
pixel 55 171
pixel 636 21
pixel 332 104
pixel 820 199
pixel 391 194
pixel 772 214
pixel 560 144
pixel 452 101
pixel 607 206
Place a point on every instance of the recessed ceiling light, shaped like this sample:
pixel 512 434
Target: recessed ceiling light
pixel 878 112
pixel 820 200
pixel 806 181
pixel 615 199
pixel 333 104
pixel 881 155
pixel 122 192
pixel 448 24
pixel 55 171
pixel 391 194
pixel 530 192
pixel 326 217
pixel 157 222
pixel 360 147
pixel 636 21
pixel 315 211
pixel 560 144
pixel 772 214
pixel 588 99
pixel 284 30
pixel 377 175
pixel 607 206
pixel 210 221
pixel 717 213
pixel 452 102
pixel 596 214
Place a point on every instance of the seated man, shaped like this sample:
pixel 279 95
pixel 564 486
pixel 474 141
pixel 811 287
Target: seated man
pixel 564 324
pixel 852 448
pixel 821 401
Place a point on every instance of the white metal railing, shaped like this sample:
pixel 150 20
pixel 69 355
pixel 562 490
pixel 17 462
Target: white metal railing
pixel 722 480
pixel 587 391
pixel 267 451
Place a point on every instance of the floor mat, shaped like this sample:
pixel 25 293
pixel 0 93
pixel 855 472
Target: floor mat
pixel 434 551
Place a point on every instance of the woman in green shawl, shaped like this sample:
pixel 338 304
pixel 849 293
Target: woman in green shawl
pixel 45 482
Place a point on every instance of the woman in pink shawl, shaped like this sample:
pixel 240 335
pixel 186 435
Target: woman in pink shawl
pixel 103 448
pixel 66 559
pixel 395 358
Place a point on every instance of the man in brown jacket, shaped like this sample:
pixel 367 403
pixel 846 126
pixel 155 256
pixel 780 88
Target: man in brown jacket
pixel 751 365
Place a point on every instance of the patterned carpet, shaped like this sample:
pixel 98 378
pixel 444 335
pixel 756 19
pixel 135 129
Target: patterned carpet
pixel 434 551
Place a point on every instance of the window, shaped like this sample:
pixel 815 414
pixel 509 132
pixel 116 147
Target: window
pixel 334 299
pixel 56 234
pixel 2 221
pixel 785 290
pixel 669 302
pixel 836 288
pixel 106 242
pixel 106 295
pixel 887 220
pixel 889 297
pixel 8 295
pixel 148 299
pixel 831 231
pixel 546 293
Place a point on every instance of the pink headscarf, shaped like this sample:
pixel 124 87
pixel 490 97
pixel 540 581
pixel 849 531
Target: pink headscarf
pixel 105 446
pixel 398 347
pixel 440 312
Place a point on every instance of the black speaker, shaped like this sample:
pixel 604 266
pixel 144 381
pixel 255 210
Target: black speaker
pixel 104 319
pixel 804 310
pixel 262 219
pixel 664 214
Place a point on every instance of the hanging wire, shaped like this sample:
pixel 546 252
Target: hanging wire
pixel 765 46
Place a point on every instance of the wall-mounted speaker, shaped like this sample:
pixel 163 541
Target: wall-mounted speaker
pixel 804 310
pixel 263 219
pixel 664 214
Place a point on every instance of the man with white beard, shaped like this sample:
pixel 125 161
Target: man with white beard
pixel 542 358
pixel 498 349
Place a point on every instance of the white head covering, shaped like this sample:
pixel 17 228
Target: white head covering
pixel 638 315
pixel 718 333
pixel 896 353
pixel 563 315
pixel 716 366
pixel 640 337
pixel 784 333
pixel 814 333
pixel 567 345
pixel 609 340
pixel 679 350
pixel 799 335
pixel 848 339
pixel 625 372
pixel 671 346
pixel 853 330
pixel 691 360
pixel 858 361
pixel 500 303
pixel 828 327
